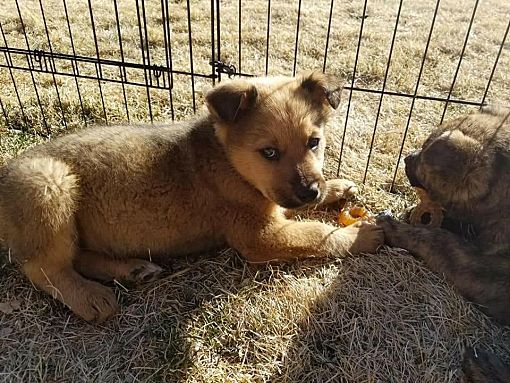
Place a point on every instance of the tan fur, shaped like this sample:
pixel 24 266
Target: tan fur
pixel 89 204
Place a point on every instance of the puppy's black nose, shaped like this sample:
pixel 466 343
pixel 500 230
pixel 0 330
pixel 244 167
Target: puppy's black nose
pixel 409 159
pixel 306 193
pixel 410 169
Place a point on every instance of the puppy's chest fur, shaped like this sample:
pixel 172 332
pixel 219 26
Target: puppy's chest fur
pixel 149 189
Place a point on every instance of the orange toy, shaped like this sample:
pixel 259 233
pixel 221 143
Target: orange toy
pixel 349 215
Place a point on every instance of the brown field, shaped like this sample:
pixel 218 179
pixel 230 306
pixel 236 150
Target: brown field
pixel 379 318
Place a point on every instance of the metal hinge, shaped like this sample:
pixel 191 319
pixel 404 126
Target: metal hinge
pixel 227 68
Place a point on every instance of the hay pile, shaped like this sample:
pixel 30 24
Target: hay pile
pixel 382 317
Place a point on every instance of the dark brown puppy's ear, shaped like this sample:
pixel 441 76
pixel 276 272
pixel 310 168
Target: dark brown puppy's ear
pixel 323 87
pixel 229 101
pixel 453 153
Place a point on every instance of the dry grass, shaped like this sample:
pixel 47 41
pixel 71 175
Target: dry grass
pixel 214 319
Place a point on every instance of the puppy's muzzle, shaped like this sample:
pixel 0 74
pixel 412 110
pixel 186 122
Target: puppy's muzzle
pixel 411 161
pixel 306 193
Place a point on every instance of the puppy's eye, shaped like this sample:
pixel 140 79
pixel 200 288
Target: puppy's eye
pixel 271 154
pixel 313 143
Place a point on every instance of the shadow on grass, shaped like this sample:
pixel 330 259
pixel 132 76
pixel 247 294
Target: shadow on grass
pixel 385 318
pixel 41 340
pixel 214 319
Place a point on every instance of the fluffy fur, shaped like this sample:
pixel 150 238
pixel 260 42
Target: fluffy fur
pixel 102 203
pixel 465 166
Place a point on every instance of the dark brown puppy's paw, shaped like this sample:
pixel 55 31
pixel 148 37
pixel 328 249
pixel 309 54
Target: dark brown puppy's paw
pixel 390 227
pixel 400 234
pixel 483 367
pixel 366 237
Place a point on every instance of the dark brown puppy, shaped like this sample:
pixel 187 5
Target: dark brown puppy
pixel 465 166
pixel 102 203
pixel 483 367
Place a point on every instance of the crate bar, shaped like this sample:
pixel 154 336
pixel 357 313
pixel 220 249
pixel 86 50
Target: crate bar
pixel 94 61
pixel 415 97
pixel 213 47
pixel 155 86
pixel 146 38
pixel 4 113
pixel 297 39
pixel 218 35
pixel 31 73
pixel 8 60
pixel 460 61
pixel 75 68
pixel 418 97
pixel 52 61
pixel 140 34
pixel 352 85
pixel 149 75
pixel 122 69
pixel 142 43
pixel 168 53
pixel 191 57
pixel 239 38
pixel 98 65
pixel 388 64
pixel 327 36
pixel 495 64
pixel 267 35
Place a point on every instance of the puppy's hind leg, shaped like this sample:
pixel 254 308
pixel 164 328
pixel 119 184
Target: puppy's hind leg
pixel 105 268
pixel 38 198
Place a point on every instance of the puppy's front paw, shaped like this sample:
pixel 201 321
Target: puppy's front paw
pixel 339 189
pixel 384 216
pixel 392 229
pixel 364 237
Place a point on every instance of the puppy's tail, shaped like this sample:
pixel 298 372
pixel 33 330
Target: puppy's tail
pixel 38 196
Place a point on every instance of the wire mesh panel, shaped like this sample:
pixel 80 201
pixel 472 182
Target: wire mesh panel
pixel 124 51
pixel 407 65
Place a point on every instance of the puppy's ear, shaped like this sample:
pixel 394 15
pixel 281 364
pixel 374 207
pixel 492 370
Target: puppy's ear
pixel 323 87
pixel 229 101
pixel 496 110
pixel 453 152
